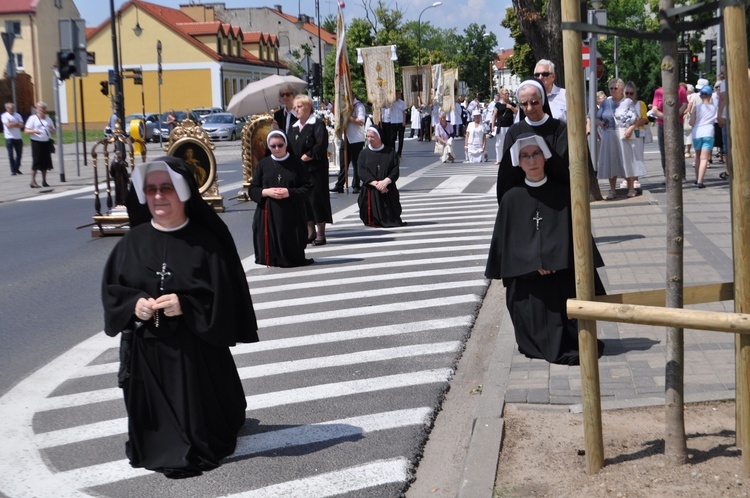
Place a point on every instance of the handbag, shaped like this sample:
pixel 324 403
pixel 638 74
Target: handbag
pixel 51 145
pixel 439 148
pixel 621 134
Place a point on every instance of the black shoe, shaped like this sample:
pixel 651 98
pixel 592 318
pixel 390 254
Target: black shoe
pixel 319 242
pixel 33 185
pixel 45 184
pixel 19 172
pixel 337 190
pixel 355 190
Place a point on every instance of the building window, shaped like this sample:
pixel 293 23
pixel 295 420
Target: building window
pixel 59 4
pixel 19 61
pixel 15 27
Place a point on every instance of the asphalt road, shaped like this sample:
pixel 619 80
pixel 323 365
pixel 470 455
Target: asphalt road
pixel 355 357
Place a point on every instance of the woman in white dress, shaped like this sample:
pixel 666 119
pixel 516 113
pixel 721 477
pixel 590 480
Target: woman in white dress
pixel 616 119
pixel 476 140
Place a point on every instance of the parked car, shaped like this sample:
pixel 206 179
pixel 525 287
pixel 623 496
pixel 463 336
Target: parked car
pixel 204 112
pixel 223 126
pixel 180 116
pixel 152 126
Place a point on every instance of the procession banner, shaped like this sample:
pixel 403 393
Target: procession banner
pixel 450 76
pixel 342 82
pixel 437 82
pixel 417 85
pixel 380 78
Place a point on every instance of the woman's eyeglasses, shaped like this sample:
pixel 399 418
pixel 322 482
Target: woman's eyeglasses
pixel 531 103
pixel 541 75
pixel 151 190
pixel 277 146
pixel 613 88
pixel 531 157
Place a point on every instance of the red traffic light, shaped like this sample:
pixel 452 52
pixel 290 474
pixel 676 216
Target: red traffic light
pixel 105 88
pixel 694 59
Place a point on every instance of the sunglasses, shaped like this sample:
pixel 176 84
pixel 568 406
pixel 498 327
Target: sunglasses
pixel 532 103
pixel 541 75
pixel 286 94
pixel 276 146
pixel 151 190
pixel 613 88
pixel 629 93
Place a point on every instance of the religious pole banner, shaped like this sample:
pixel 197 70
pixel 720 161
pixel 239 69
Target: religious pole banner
pixel 344 99
pixel 450 77
pixel 380 78
pixel 417 85
pixel 437 82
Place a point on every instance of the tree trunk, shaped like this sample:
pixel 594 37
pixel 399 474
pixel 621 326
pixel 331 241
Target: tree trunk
pixel 543 34
pixel 675 446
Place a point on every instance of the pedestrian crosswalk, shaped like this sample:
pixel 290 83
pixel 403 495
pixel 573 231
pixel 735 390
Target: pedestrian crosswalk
pixel 356 353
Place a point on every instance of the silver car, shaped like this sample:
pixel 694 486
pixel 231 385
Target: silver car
pixel 223 126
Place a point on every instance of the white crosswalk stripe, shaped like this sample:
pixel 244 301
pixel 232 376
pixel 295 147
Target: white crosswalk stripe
pixel 380 318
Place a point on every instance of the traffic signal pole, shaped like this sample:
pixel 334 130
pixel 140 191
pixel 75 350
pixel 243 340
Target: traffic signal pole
pixel 117 90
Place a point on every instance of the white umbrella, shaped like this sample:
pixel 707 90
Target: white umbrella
pixel 263 95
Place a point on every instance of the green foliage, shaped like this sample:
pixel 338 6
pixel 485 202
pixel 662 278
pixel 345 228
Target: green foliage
pixel 415 43
pixel 523 60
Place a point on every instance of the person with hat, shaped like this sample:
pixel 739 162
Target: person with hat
pixel 476 139
pixel 175 290
pixel 532 252
pixel 702 118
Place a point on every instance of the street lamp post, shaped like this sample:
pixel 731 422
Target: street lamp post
pixel 419 47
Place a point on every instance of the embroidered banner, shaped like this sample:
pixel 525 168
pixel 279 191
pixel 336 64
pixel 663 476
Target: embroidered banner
pixel 417 85
pixel 380 78
pixel 342 82
pixel 437 82
pixel 450 76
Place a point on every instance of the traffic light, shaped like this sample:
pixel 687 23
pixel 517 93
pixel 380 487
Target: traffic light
pixel 310 79
pixel 138 76
pixel 105 88
pixel 66 64
pixel 694 63
pixel 709 55
pixel 317 76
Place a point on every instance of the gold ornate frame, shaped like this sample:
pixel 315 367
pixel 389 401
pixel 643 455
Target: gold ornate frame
pixel 254 136
pixel 189 142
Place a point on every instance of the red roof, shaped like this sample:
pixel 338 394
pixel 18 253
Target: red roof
pixel 501 59
pixel 18 6
pixel 181 24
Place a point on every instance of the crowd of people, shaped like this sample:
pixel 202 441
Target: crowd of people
pixel 175 292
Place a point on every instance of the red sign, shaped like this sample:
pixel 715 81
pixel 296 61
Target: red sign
pixel 599 62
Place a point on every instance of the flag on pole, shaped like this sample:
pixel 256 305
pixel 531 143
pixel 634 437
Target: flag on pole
pixel 342 82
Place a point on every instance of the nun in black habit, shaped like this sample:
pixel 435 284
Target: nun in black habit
pixel 532 252
pixel 378 166
pixel 175 290
pixel 280 186
pixel 535 117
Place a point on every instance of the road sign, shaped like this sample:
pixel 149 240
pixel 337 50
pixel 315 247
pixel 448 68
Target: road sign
pixel 599 62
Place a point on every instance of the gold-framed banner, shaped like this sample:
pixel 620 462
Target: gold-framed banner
pixel 380 77
pixel 417 85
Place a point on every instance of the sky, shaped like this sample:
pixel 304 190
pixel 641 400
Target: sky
pixel 451 14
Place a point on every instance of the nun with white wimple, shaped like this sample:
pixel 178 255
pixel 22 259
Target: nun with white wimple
pixel 532 252
pixel 280 185
pixel 378 164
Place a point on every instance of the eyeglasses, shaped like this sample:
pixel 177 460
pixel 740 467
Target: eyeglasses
pixel 277 146
pixel 532 103
pixel 286 94
pixel 629 93
pixel 542 75
pixel 613 88
pixel 531 157
pixel 151 190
